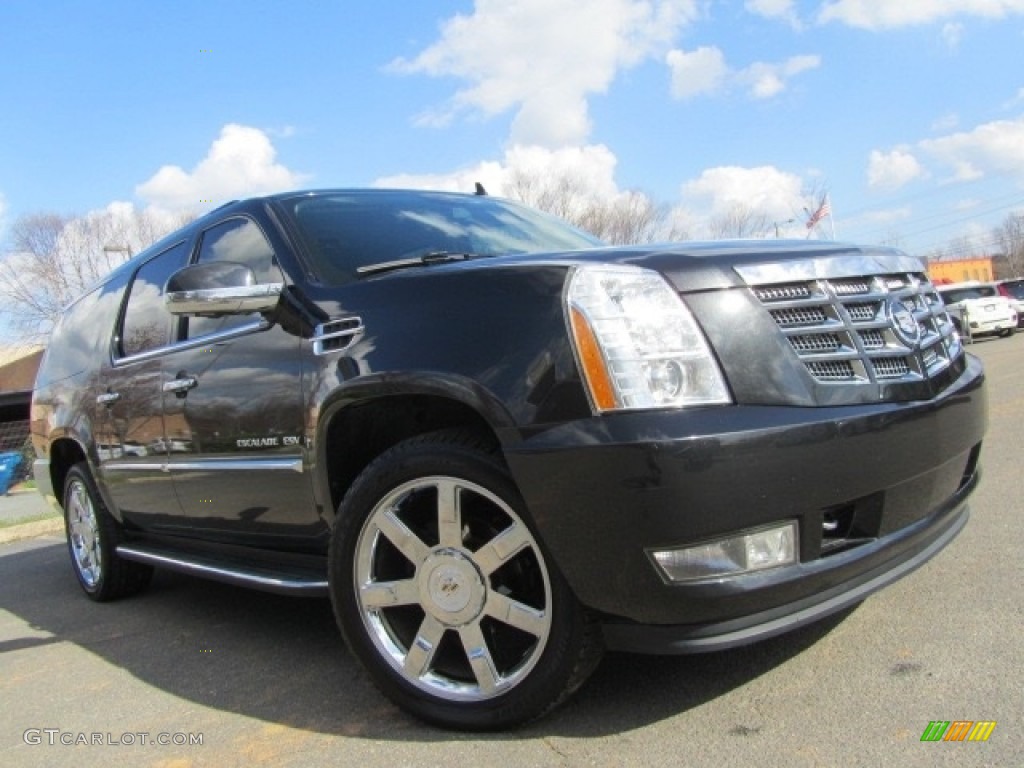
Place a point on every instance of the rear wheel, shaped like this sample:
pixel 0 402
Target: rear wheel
pixel 444 593
pixel 93 536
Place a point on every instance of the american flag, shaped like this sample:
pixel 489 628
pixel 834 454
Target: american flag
pixel 825 209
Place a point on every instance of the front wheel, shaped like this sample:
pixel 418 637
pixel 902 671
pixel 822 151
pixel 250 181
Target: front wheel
pixel 445 594
pixel 92 536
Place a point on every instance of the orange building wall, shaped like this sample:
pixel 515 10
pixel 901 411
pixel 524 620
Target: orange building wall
pixel 960 270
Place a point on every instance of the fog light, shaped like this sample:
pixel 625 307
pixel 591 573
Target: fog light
pixel 745 553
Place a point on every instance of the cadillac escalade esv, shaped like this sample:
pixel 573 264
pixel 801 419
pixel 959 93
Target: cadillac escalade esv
pixel 500 446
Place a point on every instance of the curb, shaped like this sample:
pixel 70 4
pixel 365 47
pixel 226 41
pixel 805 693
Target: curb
pixel 31 530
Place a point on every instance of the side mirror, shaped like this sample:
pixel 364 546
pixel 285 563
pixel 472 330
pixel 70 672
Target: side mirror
pixel 219 288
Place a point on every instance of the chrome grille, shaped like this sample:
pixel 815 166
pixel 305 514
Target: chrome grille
pixel 872 340
pixel 838 370
pixel 848 287
pixel 891 368
pixel 782 292
pixel 815 342
pixel 858 330
pixel 863 313
pixel 789 318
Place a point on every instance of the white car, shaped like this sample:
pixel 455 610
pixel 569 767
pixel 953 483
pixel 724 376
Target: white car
pixel 1014 291
pixel 977 309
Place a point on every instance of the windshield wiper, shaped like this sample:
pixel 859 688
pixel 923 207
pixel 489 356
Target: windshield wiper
pixel 423 259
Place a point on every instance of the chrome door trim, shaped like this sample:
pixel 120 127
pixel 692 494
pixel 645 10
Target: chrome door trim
pixel 276 463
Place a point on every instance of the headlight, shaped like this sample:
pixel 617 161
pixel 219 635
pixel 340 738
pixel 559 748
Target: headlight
pixel 636 342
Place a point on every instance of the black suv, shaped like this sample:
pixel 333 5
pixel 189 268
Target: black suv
pixel 500 446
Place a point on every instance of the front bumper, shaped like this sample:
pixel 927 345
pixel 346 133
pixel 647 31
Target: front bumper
pixel 606 491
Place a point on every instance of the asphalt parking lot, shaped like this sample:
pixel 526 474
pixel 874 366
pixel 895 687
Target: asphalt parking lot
pixel 264 680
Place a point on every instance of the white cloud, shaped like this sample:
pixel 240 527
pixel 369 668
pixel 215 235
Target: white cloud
pixel 952 34
pixel 489 173
pixel 544 58
pixel 704 71
pixel 774 9
pixel 992 148
pixel 282 131
pixel 764 189
pixel 3 214
pixel 967 204
pixel 1015 100
pixel 888 216
pixel 768 80
pixel 593 167
pixel 892 170
pixel 241 162
pixel 886 14
pixel 591 171
pixel 701 71
pixel 946 123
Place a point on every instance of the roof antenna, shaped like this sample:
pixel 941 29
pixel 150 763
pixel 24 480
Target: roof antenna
pixel 480 189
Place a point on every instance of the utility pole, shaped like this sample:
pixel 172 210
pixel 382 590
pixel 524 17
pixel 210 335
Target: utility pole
pixel 787 221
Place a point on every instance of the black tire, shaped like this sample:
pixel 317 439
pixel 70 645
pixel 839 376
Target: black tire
pixel 92 536
pixel 466 625
pixel 1008 333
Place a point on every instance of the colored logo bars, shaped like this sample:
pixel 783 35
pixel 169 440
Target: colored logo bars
pixel 958 730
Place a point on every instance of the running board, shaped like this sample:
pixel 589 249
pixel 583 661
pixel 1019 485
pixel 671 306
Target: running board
pixel 282 582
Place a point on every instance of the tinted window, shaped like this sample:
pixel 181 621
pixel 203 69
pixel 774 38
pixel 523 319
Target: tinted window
pixel 346 230
pixel 241 241
pixel 961 294
pixel 146 320
pixel 1015 288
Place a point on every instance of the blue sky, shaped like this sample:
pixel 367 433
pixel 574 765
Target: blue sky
pixel 910 114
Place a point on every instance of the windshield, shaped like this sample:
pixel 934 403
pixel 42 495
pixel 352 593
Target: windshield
pixel 343 231
pixel 1015 288
pixel 961 294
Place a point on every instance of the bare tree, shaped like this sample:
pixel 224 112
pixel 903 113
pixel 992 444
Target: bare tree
pixel 632 217
pixel 563 195
pixel 627 218
pixel 739 221
pixel 1010 238
pixel 53 259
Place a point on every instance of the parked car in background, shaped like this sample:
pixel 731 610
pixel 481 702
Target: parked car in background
pixel 1014 291
pixel 499 445
pixel 978 309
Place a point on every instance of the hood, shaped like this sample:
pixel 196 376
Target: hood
pixel 721 264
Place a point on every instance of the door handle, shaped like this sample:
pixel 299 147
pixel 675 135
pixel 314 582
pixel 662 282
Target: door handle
pixel 181 385
pixel 108 398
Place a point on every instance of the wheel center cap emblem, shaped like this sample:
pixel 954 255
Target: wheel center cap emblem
pixel 450 589
pixel 903 323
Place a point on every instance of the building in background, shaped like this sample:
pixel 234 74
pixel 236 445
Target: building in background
pixel 17 377
pixel 960 270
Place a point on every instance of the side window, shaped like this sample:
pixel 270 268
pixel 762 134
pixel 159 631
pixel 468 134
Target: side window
pixel 147 322
pixel 241 241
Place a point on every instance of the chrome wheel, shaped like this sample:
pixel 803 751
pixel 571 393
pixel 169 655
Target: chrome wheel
pixel 93 535
pixel 83 534
pixel 452 588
